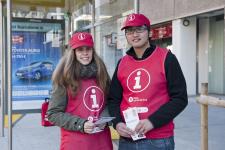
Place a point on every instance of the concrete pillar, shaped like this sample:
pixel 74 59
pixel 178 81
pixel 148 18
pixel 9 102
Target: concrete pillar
pixel 184 47
pixel 203 48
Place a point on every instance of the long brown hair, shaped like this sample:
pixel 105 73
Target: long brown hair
pixel 67 73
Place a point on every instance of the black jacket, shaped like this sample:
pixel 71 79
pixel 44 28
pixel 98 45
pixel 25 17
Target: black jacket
pixel 176 87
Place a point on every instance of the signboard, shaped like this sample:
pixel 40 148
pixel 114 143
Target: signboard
pixel 35 54
pixel 161 32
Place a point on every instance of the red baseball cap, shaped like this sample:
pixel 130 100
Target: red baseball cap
pixel 134 20
pixel 81 39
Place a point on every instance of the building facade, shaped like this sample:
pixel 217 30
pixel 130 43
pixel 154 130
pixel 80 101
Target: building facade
pixel 193 30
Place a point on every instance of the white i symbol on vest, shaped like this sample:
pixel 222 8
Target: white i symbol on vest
pixel 137 79
pixel 94 100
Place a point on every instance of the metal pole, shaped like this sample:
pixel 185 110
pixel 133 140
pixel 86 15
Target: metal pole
pixel 136 6
pixel 2 63
pixel 9 84
pixel 93 20
pixel 67 22
pixel 224 49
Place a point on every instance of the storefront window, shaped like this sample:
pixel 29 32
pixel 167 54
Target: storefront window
pixel 105 44
pixel 110 41
pixel 105 9
pixel 82 14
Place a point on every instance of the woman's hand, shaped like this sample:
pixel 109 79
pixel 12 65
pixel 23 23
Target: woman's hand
pixel 89 127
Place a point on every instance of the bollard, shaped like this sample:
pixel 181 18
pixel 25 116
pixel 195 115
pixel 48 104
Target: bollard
pixel 204 119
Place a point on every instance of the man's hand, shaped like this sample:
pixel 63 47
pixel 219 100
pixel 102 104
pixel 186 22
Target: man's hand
pixel 123 130
pixel 143 126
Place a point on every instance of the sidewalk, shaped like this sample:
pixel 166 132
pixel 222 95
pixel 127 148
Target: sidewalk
pixel 29 134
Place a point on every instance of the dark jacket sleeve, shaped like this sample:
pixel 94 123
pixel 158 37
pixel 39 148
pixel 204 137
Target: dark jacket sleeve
pixel 115 98
pixel 57 115
pixel 177 91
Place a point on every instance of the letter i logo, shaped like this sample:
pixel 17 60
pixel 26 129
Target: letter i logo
pixel 137 81
pixel 94 99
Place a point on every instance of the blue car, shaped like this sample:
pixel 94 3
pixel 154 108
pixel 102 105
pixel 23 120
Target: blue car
pixel 36 70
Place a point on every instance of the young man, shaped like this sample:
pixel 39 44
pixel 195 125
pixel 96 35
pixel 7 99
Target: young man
pixel 149 79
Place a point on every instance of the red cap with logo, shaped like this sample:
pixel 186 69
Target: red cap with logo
pixel 81 39
pixel 134 20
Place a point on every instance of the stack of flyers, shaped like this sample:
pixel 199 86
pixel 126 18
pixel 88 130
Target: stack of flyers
pixel 100 121
pixel 131 118
pixel 96 130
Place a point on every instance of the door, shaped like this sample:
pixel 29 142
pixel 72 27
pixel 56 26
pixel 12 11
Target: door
pixel 216 56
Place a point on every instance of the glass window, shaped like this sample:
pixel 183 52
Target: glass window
pixel 110 41
pixel 106 45
pixel 105 9
pixel 216 55
pixel 82 14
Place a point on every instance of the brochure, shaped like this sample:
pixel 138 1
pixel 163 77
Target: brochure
pixel 131 118
pixel 103 120
pixel 100 121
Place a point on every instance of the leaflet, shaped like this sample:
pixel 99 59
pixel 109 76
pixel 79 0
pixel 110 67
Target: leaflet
pixel 131 118
pixel 96 130
pixel 103 120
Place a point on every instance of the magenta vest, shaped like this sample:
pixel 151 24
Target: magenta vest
pixel 88 103
pixel 145 87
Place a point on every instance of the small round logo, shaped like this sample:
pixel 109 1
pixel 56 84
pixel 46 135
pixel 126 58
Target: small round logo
pixel 90 118
pixel 130 99
pixel 81 36
pixel 131 17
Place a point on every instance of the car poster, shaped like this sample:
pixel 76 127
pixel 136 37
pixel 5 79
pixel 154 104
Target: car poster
pixel 36 50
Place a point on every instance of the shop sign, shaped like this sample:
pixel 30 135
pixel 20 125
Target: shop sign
pixel 161 32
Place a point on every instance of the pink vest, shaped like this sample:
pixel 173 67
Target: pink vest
pixel 145 87
pixel 88 104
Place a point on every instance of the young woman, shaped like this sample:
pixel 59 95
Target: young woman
pixel 80 85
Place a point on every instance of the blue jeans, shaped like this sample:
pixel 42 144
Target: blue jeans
pixel 147 144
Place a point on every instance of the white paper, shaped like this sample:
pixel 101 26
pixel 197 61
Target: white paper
pixel 96 130
pixel 103 120
pixel 100 121
pixel 131 118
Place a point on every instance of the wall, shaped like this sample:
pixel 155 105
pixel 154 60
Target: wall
pixel 157 10
pixel 166 10
pixel 193 7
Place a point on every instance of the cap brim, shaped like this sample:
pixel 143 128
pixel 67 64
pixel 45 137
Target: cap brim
pixel 81 44
pixel 132 25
